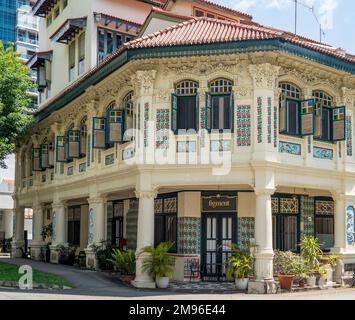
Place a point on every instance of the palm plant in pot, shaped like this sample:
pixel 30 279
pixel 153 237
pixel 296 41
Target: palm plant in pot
pixel 284 263
pixel 159 264
pixel 124 261
pixel 311 251
pixel 239 266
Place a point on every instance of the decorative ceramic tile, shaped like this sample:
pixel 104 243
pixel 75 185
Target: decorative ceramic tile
pixel 189 234
pixel 70 171
pixel 350 226
pixel 202 118
pixel 221 145
pixel 307 216
pixel 269 120
pixel 243 125
pixel 260 119
pixel 110 159
pixel 127 153
pixel 146 120
pixel 321 153
pixel 325 208
pixel 246 232
pixel 91 226
pixel 275 127
pixel 290 148
pixel 349 136
pixel 88 155
pixel 82 167
pixel 289 205
pixel 162 128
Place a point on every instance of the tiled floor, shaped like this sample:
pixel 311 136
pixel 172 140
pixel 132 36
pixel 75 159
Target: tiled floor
pixel 203 286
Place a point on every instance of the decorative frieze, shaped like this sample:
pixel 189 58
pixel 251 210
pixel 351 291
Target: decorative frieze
pixel 243 125
pixel 189 235
pixel 264 75
pixel 260 119
pixel 290 148
pixel 322 153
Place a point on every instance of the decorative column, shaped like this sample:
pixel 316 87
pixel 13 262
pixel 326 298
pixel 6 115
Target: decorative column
pixel 265 88
pixel 59 227
pixel 96 231
pixel 18 243
pixel 145 236
pixel 37 242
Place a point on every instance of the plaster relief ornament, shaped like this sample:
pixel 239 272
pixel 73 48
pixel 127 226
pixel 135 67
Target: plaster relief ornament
pixel 162 95
pixel 144 80
pixel 264 75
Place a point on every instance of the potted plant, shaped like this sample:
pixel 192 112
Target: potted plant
pixel 301 269
pixel 159 264
pixel 323 273
pixel 124 261
pixel 285 266
pixel 239 266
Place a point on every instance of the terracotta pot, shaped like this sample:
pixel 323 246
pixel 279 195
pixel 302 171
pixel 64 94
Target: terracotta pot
pixel 302 283
pixel 128 279
pixel 286 281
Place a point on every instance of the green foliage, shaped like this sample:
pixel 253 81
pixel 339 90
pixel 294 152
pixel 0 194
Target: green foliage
pixel 124 261
pixel 158 262
pixel 47 231
pixel 286 263
pixel 311 250
pixel 103 255
pixel 239 264
pixel 15 118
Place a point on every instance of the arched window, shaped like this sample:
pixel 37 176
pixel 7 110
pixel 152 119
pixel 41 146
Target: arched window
pixel 129 107
pixel 323 115
pixel 219 105
pixel 291 109
pixel 184 107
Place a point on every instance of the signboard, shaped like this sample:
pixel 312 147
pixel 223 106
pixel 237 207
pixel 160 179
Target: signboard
pixel 219 204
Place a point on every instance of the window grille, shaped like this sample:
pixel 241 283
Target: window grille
pixel 186 88
pixel 221 86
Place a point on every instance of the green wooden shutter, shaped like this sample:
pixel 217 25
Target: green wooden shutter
pixel 307 117
pixel 44 156
pixel 208 115
pixel 116 127
pixel 51 154
pixel 61 149
pixel 197 113
pixel 99 133
pixel 73 144
pixel 36 159
pixel 282 117
pixel 231 102
pixel 174 113
pixel 338 124
pixel 318 116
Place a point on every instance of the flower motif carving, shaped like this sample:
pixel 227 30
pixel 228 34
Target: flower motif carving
pixel 264 75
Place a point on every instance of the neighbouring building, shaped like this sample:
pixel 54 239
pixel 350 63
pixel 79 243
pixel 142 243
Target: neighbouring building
pixel 241 133
pixel 6 209
pixel 7 21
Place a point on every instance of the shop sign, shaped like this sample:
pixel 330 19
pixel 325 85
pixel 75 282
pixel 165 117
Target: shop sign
pixel 219 204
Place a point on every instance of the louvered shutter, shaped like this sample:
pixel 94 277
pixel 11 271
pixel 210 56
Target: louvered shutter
pixel 61 149
pixel 99 133
pixel 282 116
pixel 51 155
pixel 115 119
pixel 307 117
pixel 174 113
pixel 208 115
pixel 44 156
pixel 338 124
pixel 73 144
pixel 36 159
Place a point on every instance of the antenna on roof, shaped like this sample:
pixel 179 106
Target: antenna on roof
pixel 321 31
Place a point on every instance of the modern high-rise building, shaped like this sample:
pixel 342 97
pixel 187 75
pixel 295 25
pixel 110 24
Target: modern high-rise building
pixel 7 21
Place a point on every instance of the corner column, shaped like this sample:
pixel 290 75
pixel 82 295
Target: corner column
pixel 18 243
pixel 59 226
pixel 145 236
pixel 96 232
pixel 37 243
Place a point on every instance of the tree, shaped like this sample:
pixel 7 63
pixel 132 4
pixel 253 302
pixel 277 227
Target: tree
pixel 15 113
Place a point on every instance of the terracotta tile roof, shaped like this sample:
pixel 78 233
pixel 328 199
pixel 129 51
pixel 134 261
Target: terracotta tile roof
pixel 205 30
pixel 217 6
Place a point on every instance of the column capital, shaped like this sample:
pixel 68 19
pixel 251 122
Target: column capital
pixel 146 194
pixel 264 75
pixel 37 207
pixel 264 191
pixel 96 200
pixel 56 205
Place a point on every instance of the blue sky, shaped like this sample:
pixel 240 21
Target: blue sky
pixel 336 16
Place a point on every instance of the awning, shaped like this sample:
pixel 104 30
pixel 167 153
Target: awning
pixel 68 29
pixel 41 7
pixel 38 59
